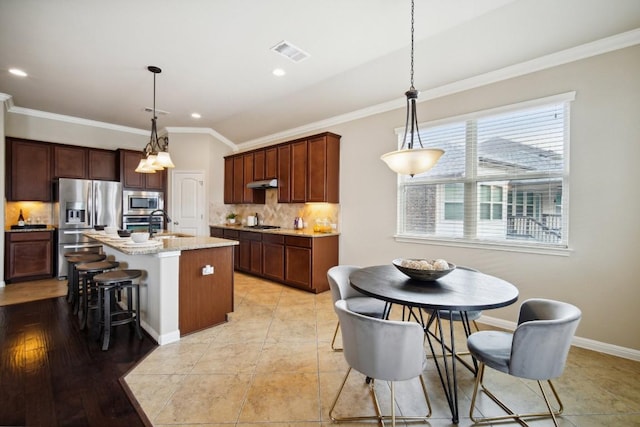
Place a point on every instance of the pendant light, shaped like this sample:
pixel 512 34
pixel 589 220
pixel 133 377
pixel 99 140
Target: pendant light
pixel 410 160
pixel 157 149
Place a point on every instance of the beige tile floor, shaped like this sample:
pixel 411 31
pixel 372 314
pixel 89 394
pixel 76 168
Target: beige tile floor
pixel 271 365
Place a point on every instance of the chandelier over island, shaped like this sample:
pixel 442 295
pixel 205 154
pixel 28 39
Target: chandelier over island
pixel 157 149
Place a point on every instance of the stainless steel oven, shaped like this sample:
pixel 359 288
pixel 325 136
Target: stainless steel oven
pixel 141 202
pixel 141 222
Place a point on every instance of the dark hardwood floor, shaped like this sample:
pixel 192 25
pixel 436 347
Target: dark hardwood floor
pixel 54 374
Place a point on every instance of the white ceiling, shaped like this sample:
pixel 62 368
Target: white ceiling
pixel 88 58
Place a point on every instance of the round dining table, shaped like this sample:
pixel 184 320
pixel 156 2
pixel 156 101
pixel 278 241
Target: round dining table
pixel 461 290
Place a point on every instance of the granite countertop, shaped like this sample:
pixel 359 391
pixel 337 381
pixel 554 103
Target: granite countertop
pixel 306 232
pixel 164 242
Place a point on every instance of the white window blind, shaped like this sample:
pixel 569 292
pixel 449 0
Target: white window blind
pixel 503 177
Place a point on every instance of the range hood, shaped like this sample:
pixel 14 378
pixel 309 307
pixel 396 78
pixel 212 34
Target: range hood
pixel 267 183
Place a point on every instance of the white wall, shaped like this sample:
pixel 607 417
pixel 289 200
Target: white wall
pixel 602 273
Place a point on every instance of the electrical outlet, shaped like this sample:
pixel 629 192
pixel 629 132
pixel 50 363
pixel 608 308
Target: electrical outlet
pixel 207 269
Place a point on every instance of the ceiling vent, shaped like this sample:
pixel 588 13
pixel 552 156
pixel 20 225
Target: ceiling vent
pixel 290 51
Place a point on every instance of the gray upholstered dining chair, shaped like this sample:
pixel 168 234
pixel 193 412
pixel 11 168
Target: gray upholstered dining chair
pixel 341 289
pixel 386 350
pixel 536 350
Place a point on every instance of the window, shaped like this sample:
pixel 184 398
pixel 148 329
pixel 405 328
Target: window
pixel 503 178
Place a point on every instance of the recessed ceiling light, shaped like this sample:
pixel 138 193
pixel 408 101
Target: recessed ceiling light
pixel 17 72
pixel 195 115
pixel 279 72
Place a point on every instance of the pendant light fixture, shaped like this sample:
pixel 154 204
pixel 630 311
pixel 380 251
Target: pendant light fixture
pixel 410 160
pixel 157 149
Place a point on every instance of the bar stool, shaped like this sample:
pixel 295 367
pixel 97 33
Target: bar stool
pixel 73 283
pixel 89 297
pixel 112 314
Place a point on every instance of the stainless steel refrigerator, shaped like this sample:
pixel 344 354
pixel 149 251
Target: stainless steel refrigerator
pixel 80 205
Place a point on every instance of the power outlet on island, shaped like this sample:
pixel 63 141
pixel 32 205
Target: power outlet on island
pixel 207 270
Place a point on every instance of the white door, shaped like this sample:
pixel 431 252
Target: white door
pixel 188 203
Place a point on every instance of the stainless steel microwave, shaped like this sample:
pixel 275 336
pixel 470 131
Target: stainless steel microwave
pixel 141 202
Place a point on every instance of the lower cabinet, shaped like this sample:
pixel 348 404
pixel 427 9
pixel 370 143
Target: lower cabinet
pixel 205 299
pixel 28 255
pixel 297 261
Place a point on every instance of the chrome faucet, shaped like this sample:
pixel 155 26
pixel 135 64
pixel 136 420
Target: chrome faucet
pixel 151 218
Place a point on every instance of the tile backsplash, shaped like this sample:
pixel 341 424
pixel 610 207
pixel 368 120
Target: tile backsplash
pixel 36 212
pixel 274 213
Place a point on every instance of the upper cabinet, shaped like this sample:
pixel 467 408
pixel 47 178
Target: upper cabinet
pixel 70 161
pixel 307 170
pixel 323 168
pixel 28 168
pixel 238 172
pixel 129 160
pixel 103 165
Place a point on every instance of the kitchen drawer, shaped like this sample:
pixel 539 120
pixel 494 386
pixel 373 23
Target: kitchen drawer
pixel 231 234
pixel 303 242
pixel 29 236
pixel 250 235
pixel 273 238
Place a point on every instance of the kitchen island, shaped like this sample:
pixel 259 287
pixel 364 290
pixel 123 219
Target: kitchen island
pixel 187 281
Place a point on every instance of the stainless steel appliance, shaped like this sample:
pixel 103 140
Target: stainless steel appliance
pixel 141 222
pixel 80 205
pixel 141 202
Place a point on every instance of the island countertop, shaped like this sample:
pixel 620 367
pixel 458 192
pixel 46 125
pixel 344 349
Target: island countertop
pixel 162 242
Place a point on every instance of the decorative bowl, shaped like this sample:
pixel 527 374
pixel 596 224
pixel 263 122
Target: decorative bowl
pixel 111 230
pixel 124 233
pixel 140 237
pixel 423 275
pixel 98 227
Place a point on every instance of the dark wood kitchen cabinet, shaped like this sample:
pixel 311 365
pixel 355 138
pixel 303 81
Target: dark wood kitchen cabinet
pixel 28 170
pixel 28 255
pixel 103 165
pixel 258 165
pixel 299 260
pixel 70 161
pixel 299 172
pixel 238 172
pixel 271 163
pixel 284 173
pixel 228 180
pixel 205 300
pixel 130 179
pixel 307 260
pixel 323 169
pixel 273 257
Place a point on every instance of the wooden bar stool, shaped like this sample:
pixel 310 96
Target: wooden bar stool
pixel 73 283
pixel 112 314
pixel 89 296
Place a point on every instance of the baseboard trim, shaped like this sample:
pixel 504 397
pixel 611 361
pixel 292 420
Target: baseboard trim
pixel 601 347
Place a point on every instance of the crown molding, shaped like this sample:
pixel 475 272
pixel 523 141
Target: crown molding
pixel 587 50
pixel 76 120
pixel 205 131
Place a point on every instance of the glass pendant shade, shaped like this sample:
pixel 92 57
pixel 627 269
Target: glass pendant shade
pixel 412 161
pixel 143 167
pixel 409 160
pixel 164 159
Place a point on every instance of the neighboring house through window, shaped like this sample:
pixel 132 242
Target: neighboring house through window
pixel 503 178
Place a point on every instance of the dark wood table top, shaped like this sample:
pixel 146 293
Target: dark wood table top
pixel 462 290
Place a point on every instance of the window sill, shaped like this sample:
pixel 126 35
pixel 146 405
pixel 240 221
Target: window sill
pixel 507 247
